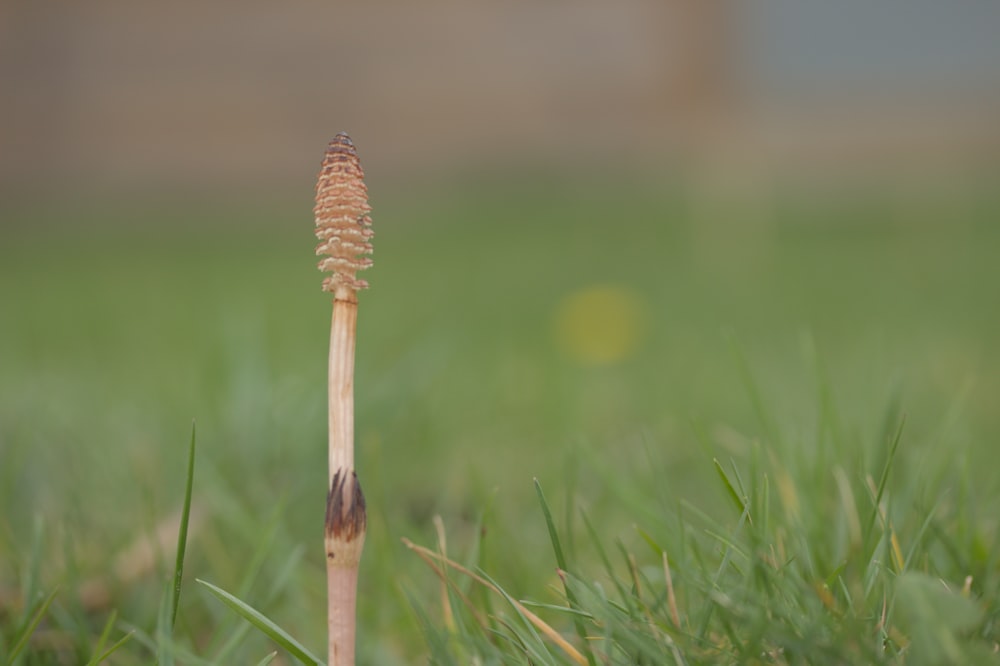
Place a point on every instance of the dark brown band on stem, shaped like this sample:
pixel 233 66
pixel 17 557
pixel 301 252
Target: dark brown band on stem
pixel 346 518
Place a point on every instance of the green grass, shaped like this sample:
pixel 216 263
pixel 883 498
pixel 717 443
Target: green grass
pixel 744 429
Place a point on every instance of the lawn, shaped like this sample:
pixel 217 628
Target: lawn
pixel 710 379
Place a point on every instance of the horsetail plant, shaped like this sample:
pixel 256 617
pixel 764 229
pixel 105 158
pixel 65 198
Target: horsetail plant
pixel 343 227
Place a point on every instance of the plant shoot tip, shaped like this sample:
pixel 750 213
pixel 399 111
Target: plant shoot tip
pixel 343 224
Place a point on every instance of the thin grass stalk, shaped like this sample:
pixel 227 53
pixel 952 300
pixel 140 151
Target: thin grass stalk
pixel 343 228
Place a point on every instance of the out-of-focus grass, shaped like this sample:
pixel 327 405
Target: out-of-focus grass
pixel 490 352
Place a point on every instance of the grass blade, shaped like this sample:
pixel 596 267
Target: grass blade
pixel 264 624
pixel 581 632
pixel 164 632
pixel 437 639
pixel 603 555
pixel 104 636
pixel 114 648
pixel 29 629
pixel 880 490
pixel 103 639
pixel 183 532
pixel 553 535
pixel 730 488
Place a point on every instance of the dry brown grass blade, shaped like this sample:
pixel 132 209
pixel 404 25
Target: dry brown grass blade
pixel 671 598
pixel 449 616
pixel 540 624
pixel 445 580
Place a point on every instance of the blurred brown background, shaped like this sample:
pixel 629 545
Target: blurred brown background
pixel 110 96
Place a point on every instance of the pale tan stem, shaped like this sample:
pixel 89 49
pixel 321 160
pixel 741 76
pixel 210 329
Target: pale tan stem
pixel 342 585
pixel 345 537
pixel 346 520
pixel 341 381
pixel 346 523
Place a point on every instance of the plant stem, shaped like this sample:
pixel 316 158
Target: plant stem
pixel 341 381
pixel 343 228
pixel 345 504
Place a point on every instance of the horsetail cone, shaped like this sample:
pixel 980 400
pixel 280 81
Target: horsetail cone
pixel 343 227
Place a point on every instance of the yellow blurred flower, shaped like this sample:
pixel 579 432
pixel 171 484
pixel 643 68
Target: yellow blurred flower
pixel 600 325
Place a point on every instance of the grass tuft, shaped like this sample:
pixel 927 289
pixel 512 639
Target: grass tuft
pixel 787 577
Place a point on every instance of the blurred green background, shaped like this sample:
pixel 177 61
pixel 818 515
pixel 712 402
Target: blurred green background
pixel 587 217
